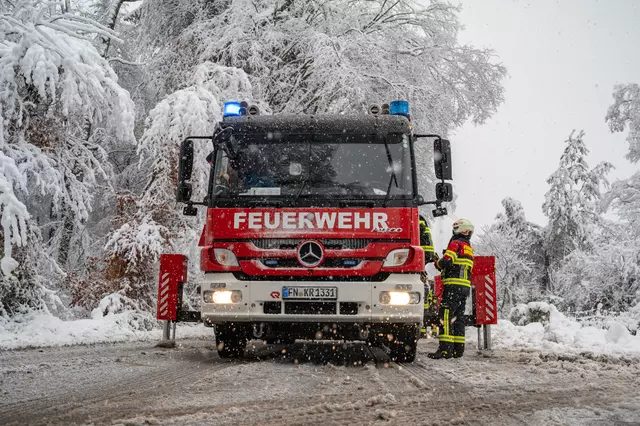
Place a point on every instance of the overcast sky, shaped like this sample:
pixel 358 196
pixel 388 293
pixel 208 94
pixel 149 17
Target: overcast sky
pixel 563 59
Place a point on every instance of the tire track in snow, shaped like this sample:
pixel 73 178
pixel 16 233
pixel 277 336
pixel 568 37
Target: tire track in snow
pixel 65 405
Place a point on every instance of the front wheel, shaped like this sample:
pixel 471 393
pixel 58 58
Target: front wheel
pixel 404 346
pixel 231 341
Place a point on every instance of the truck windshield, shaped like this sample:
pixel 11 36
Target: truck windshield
pixel 326 166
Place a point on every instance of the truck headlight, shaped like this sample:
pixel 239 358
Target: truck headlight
pixel 399 298
pixel 225 257
pixel 222 297
pixel 397 257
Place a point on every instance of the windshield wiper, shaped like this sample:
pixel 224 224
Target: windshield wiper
pixel 393 174
pixel 265 203
pixel 357 203
pixel 302 186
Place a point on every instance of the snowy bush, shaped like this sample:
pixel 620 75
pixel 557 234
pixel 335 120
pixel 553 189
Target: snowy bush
pixel 136 319
pixel 531 312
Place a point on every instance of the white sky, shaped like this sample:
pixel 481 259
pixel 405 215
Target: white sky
pixel 563 58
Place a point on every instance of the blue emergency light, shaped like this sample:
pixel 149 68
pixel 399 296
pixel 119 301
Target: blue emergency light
pixel 399 108
pixel 232 109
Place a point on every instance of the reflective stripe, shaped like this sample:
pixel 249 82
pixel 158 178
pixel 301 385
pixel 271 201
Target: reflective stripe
pixel 463 262
pixel 428 249
pixel 456 281
pixel 451 254
pixel 446 322
pixel 458 339
pixel 446 339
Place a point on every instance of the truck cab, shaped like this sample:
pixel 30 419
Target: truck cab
pixel 312 228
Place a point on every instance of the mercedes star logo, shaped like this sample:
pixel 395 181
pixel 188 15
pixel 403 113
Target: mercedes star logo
pixel 310 254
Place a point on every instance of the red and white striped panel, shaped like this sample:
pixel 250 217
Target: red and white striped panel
pixel 173 272
pixel 484 280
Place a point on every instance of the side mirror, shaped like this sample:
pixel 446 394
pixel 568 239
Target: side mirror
pixel 442 159
pixel 185 165
pixel 185 168
pixel 444 191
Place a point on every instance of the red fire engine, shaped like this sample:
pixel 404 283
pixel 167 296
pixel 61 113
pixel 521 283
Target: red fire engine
pixel 311 229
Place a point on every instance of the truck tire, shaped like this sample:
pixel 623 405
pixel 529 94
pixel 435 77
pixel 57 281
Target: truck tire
pixel 231 343
pixel 404 347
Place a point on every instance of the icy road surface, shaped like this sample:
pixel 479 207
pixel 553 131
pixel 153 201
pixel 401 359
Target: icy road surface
pixel 316 383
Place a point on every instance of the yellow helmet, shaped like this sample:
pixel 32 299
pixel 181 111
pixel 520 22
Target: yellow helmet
pixel 463 227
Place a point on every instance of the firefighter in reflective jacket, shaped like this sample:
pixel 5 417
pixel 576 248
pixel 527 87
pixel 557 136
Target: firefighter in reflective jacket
pixel 455 265
pixel 426 242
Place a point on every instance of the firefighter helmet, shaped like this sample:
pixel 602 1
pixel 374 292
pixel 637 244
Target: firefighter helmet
pixel 463 227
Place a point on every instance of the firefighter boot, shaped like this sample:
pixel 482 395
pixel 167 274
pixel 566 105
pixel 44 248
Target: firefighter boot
pixel 458 350
pixel 440 354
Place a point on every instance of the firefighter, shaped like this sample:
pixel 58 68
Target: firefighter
pixel 455 265
pixel 426 242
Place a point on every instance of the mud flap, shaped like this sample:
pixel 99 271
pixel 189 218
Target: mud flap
pixel 483 280
pixel 171 280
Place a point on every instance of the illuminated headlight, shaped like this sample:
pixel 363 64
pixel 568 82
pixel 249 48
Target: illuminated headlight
pixel 222 296
pixel 397 257
pixel 225 257
pixel 399 298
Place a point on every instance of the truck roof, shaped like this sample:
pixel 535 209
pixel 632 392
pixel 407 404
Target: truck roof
pixel 327 124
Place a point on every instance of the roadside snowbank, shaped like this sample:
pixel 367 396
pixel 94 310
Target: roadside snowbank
pixel 565 335
pixel 40 330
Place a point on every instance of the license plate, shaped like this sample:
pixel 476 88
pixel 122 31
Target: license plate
pixel 330 293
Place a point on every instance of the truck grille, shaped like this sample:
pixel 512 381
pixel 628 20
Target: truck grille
pixel 310 308
pixel 380 276
pixel 328 243
pixel 293 263
pixel 272 307
pixel 348 308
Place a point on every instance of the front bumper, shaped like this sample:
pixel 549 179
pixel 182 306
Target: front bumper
pixel 362 299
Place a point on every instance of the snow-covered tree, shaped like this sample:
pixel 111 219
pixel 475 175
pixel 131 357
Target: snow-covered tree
pixel 330 57
pixel 60 105
pixel 571 204
pixel 157 224
pixel 608 276
pixel 517 246
pixel 624 198
pixel 625 112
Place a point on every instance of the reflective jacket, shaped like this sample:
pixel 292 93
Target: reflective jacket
pixel 426 242
pixel 457 262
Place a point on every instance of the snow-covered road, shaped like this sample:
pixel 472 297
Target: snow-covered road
pixel 318 383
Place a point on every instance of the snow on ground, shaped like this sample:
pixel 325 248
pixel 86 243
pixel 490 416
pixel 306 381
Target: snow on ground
pixel 41 330
pixel 561 334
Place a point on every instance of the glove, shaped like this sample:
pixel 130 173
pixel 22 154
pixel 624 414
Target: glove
pixel 435 257
pixel 437 265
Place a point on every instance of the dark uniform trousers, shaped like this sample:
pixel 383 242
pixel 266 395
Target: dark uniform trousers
pixel 454 300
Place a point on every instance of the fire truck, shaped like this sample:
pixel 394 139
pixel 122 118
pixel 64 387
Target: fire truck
pixel 311 229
